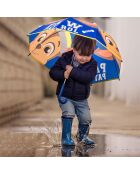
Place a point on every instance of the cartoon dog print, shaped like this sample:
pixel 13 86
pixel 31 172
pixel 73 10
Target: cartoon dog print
pixel 45 46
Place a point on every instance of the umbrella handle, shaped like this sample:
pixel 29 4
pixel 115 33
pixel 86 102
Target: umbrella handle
pixel 61 99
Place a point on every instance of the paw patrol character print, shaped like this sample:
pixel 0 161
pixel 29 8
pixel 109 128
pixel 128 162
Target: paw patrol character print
pixel 105 54
pixel 45 46
pixel 111 45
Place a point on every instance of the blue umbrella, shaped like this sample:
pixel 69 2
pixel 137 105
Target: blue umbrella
pixel 44 47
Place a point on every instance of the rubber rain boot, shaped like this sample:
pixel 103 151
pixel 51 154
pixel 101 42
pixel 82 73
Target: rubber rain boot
pixel 66 131
pixel 82 135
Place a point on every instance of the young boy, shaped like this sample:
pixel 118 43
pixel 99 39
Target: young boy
pixel 79 68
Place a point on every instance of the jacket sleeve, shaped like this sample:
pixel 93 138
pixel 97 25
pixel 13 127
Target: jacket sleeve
pixel 57 71
pixel 84 76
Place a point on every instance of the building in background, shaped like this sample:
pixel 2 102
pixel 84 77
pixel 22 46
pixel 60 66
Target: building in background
pixel 125 31
pixel 23 81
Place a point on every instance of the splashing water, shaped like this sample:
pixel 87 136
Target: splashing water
pixel 53 133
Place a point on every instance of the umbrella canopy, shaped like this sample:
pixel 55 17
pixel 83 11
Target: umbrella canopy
pixel 48 42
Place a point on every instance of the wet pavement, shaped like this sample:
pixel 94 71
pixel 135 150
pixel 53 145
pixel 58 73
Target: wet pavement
pixel 37 130
pixel 38 145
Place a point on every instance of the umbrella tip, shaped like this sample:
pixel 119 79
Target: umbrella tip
pixel 29 54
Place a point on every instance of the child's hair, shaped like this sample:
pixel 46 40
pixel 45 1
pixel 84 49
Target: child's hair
pixel 83 45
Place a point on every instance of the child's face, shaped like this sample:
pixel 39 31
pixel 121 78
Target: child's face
pixel 81 59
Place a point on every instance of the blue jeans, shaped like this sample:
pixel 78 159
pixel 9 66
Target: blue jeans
pixel 79 108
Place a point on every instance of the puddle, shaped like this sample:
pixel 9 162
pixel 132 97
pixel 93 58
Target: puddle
pixel 44 141
pixel 38 145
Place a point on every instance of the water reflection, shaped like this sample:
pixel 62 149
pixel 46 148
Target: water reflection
pixel 67 151
pixel 83 151
pixel 38 144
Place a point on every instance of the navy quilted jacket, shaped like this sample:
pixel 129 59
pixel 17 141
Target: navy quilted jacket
pixel 77 86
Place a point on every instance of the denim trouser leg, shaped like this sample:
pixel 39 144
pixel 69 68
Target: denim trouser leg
pixel 83 111
pixel 68 109
pixel 79 108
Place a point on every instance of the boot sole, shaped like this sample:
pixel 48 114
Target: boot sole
pixel 84 144
pixel 66 145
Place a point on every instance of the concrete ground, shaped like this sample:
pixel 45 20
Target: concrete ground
pixel 108 116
